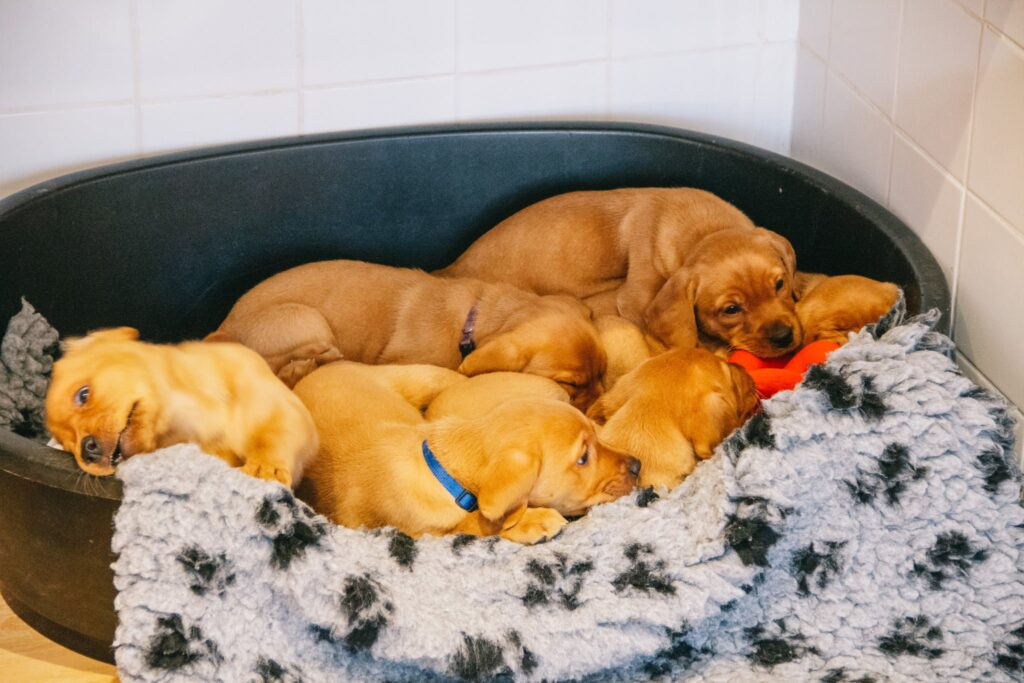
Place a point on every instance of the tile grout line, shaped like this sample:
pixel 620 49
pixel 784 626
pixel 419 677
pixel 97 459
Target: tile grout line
pixel 609 59
pixel 300 59
pixel 900 26
pixel 824 88
pixel 456 72
pixel 133 14
pixel 966 194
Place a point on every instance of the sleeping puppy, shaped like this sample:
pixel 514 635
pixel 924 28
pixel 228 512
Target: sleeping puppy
pixel 676 261
pixel 673 409
pixel 833 307
pixel 525 463
pixel 112 397
pixel 319 312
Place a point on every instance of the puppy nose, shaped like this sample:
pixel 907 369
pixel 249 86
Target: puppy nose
pixel 91 450
pixel 780 335
pixel 634 467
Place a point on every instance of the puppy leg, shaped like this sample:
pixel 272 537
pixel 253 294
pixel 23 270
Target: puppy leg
pixel 637 293
pixel 526 525
pixel 533 526
pixel 272 451
pixel 293 338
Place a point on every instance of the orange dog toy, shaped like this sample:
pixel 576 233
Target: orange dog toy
pixel 772 375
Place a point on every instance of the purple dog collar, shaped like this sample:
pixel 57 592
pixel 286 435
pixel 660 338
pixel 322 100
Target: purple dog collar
pixel 466 343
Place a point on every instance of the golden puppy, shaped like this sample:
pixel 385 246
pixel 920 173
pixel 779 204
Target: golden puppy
pixel 527 462
pixel 735 289
pixel 477 395
pixel 319 312
pixel 673 260
pixel 836 306
pixel 673 409
pixel 112 397
pixel 625 345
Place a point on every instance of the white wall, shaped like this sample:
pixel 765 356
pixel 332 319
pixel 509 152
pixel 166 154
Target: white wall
pixel 90 81
pixel 920 104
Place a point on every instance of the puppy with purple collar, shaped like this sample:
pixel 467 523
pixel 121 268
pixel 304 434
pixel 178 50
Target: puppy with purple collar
pixel 317 313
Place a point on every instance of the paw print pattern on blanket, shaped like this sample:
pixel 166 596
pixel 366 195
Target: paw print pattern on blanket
pixel 914 636
pixel 556 583
pixel 952 555
pixel 645 574
pixel 764 564
pixel 367 610
pixel 294 527
pixel 208 572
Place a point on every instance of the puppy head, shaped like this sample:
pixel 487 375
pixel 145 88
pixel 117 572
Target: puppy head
pixel 548 455
pixel 693 390
pixel 724 398
pixel 842 304
pixel 555 338
pixel 98 405
pixel 736 286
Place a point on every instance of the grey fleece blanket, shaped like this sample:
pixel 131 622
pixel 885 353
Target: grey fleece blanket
pixel 866 526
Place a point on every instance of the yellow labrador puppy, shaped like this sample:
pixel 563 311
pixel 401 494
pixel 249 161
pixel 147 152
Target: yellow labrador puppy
pixel 513 471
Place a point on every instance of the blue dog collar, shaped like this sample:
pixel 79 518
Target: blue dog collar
pixel 463 498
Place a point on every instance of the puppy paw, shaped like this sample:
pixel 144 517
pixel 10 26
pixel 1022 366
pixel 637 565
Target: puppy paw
pixel 536 525
pixel 326 353
pixel 295 370
pixel 267 472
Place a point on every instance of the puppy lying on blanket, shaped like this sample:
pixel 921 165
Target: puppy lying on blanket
pixel 672 409
pixel 673 260
pixel 513 471
pixel 112 397
pixel 833 307
pixel 319 312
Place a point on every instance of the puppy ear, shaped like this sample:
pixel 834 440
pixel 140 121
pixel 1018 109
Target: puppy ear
pixel 670 316
pixel 107 335
pixel 499 354
pixel 803 283
pixel 506 484
pixel 782 246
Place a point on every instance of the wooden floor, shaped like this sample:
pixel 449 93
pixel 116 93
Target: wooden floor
pixel 27 657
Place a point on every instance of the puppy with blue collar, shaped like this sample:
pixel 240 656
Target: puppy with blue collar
pixel 515 471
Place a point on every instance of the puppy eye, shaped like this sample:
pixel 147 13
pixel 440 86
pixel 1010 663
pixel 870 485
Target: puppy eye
pixel 732 309
pixel 82 395
pixel 583 458
pixel 779 283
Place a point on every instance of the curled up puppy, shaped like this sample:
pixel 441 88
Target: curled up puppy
pixel 680 262
pixel 113 397
pixel 673 410
pixel 514 470
pixel 833 307
pixel 316 313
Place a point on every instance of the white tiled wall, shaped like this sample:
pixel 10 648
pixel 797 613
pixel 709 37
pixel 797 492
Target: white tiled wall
pixel 84 82
pixel 920 104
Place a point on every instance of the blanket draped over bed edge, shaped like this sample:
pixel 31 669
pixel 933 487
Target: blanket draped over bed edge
pixel 865 526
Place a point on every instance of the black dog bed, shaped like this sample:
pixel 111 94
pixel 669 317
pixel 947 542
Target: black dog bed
pixel 167 244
